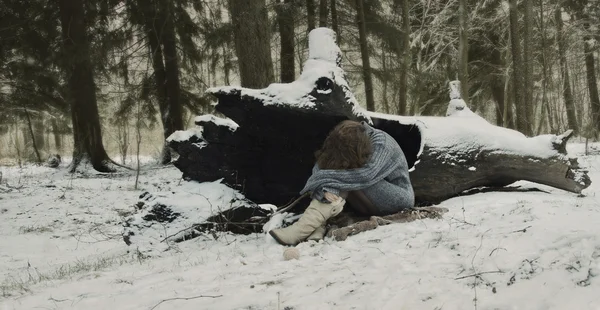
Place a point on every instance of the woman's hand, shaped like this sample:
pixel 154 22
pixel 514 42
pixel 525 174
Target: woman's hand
pixel 332 197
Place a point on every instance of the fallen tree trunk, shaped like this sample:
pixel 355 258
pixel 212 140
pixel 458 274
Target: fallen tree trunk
pixel 271 163
pixel 265 149
pixel 462 153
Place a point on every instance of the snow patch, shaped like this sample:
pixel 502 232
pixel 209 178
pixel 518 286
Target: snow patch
pixel 327 91
pixel 455 92
pixel 184 135
pixel 201 144
pixel 268 207
pixel 168 215
pixel 219 121
pixel 458 108
pixel 474 135
pixel 322 44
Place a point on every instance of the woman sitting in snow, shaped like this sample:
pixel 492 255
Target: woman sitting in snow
pixel 359 164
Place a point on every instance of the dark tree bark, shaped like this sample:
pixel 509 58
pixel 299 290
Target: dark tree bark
pixel 227 62
pixel 153 23
pixel 311 14
pixel 497 65
pixel 39 130
pixel 405 60
pixel 497 89
pixel 33 137
pixel 285 20
pixel 57 136
pixel 508 113
pixel 528 66
pixel 517 69
pixel 546 115
pixel 590 68
pixel 323 13
pixel 564 68
pixel 334 21
pixel 87 134
pixel 173 116
pixel 364 51
pixel 386 104
pixel 463 49
pixel 252 39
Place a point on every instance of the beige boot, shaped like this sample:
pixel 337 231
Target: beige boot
pixel 318 234
pixel 314 217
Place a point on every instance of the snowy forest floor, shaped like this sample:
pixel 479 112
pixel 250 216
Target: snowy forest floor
pixel 61 248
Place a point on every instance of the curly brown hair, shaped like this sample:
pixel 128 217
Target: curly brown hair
pixel 346 147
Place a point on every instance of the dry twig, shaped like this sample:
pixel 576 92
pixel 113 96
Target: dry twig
pixel 185 298
pixel 478 274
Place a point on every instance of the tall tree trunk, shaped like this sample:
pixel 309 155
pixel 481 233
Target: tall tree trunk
pixel 252 39
pixel 405 59
pixel 507 114
pixel 386 104
pixel 323 13
pixel 518 74
pixel 335 22
pixel 463 50
pixel 38 130
pixel 546 115
pixel 285 19
pixel 226 61
pixel 57 136
pixel 497 76
pixel 364 51
pixel 33 138
pixel 528 62
pixel 578 91
pixel 567 93
pixel 87 134
pixel 311 14
pixel 154 29
pixel 173 116
pixel 591 77
pixel 497 89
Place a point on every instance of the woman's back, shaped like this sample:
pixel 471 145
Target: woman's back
pixel 395 192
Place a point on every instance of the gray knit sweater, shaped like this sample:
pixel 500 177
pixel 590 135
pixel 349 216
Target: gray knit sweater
pixel 384 179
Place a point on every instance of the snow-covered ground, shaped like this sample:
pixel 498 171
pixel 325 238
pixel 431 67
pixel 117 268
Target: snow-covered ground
pixel 61 248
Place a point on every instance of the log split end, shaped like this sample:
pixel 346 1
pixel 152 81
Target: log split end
pixel 560 141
